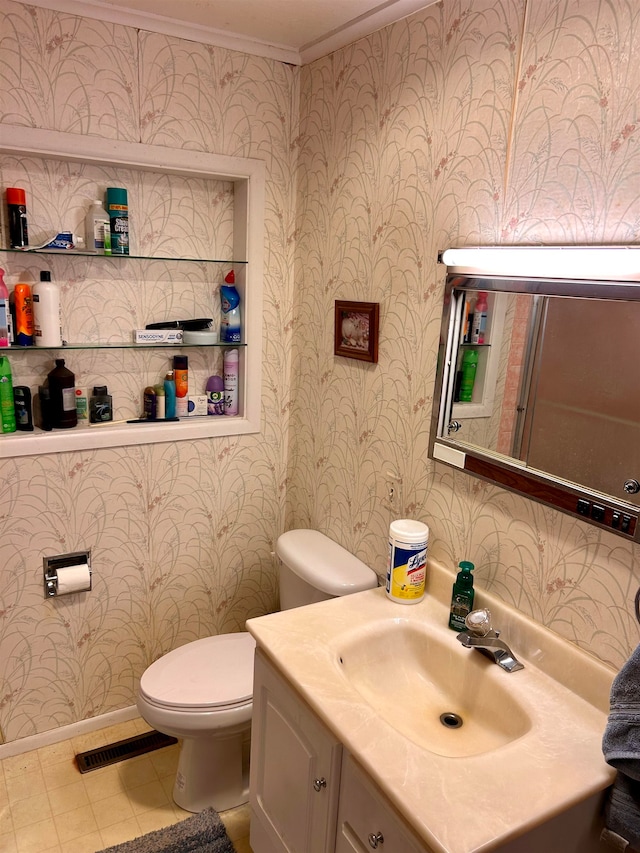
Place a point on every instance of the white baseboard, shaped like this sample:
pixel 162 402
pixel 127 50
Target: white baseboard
pixel 26 744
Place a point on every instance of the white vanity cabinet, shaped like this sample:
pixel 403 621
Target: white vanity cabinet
pixel 411 795
pixel 366 821
pixel 307 794
pixel 295 770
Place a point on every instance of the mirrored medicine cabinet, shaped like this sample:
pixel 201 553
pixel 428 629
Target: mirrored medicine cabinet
pixel 544 398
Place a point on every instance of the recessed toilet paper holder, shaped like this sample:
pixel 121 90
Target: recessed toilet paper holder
pixel 54 570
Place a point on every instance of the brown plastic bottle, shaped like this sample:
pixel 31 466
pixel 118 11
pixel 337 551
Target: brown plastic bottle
pixel 62 388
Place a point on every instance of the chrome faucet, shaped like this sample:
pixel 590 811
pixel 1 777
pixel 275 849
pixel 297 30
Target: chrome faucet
pixel 482 637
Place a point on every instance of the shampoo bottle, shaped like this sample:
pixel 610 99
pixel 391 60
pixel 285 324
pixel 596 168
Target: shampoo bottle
pixel 47 324
pixel 7 405
pixel 4 312
pixel 462 597
pixel 407 565
pixel 230 321
pixel 82 404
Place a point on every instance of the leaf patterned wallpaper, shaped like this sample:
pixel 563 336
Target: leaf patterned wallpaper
pixel 181 535
pixel 468 122
pixel 471 122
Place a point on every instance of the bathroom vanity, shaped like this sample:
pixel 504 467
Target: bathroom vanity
pixel 349 754
pixel 304 783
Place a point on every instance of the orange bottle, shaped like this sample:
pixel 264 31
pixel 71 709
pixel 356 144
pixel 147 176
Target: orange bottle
pixel 23 334
pixel 181 379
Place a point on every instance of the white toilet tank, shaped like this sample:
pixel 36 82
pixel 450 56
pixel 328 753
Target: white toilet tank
pixel 315 568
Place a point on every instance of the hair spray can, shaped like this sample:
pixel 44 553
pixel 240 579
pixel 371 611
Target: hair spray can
pixel 181 379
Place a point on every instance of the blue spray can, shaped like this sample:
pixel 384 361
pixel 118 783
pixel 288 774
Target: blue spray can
pixel 230 321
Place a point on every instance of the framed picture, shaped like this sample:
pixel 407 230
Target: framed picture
pixel 356 330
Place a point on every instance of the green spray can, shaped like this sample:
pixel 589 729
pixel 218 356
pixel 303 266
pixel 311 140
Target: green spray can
pixel 7 406
pixel 117 206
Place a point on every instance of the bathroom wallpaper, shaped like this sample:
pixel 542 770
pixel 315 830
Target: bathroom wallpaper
pixel 181 534
pixel 471 122
pixel 468 122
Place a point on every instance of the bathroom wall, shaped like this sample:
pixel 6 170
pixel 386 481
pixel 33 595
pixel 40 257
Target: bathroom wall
pixel 475 122
pixel 469 122
pixel 181 535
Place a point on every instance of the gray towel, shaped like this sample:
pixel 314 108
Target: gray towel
pixel 621 748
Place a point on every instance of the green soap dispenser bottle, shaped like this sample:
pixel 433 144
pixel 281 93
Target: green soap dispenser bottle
pixel 462 597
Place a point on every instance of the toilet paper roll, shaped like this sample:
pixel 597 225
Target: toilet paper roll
pixel 73 579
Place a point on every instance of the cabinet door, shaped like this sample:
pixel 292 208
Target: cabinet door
pixel 295 770
pixel 366 821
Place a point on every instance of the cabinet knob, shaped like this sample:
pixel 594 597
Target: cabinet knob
pixel 375 839
pixel 319 784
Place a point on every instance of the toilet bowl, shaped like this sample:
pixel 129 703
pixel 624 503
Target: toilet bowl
pixel 202 692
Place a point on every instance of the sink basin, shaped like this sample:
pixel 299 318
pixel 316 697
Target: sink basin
pixel 378 675
pixel 449 700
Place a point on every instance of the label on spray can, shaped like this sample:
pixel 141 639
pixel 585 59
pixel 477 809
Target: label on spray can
pixel 407 566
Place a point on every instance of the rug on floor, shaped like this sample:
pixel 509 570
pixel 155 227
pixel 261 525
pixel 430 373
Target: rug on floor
pixel 202 833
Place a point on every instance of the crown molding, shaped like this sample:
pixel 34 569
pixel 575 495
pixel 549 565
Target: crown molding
pixel 382 15
pixel 102 11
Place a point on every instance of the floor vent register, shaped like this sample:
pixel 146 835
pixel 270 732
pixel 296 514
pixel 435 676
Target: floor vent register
pixel 93 759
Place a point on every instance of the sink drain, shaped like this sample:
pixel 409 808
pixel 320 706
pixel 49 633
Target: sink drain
pixel 451 720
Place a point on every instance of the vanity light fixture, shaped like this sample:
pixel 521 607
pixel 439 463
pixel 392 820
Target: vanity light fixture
pixel 602 263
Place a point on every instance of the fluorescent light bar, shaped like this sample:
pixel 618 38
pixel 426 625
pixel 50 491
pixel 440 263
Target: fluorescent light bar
pixel 602 263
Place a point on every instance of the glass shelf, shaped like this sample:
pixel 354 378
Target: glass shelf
pixel 63 253
pixel 118 345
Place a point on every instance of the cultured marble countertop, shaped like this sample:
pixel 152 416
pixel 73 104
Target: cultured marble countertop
pixel 460 804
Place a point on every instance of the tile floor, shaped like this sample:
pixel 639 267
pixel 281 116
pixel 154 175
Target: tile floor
pixel 46 804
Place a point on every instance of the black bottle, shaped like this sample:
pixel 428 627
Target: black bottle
pixel 22 403
pixel 43 409
pixel 62 388
pixel 100 405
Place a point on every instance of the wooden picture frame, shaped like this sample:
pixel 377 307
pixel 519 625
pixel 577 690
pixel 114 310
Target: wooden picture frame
pixel 356 330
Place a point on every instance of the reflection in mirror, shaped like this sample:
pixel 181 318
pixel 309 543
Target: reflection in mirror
pixel 538 388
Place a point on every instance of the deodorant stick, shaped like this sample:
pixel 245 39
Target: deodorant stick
pixel 407 567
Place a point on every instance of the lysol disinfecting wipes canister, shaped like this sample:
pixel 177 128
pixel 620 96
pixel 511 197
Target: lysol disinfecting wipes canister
pixel 407 567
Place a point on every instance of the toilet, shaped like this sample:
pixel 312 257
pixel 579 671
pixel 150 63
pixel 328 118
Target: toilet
pixel 202 692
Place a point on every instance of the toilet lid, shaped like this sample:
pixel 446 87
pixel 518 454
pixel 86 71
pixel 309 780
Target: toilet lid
pixel 214 672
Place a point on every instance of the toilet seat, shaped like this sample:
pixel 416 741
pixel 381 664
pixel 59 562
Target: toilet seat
pixel 212 674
